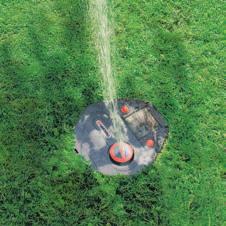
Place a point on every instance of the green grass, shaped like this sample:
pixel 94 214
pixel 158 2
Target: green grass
pixel 167 52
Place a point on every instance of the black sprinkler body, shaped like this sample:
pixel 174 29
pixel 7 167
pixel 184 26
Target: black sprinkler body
pixel 146 132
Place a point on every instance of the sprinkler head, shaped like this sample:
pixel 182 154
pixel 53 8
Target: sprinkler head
pixel 144 132
pixel 121 153
pixel 124 109
pixel 150 143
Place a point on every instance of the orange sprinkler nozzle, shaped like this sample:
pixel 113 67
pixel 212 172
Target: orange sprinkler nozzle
pixel 124 109
pixel 150 143
pixel 121 153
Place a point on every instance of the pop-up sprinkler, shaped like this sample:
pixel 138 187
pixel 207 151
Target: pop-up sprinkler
pixel 121 153
pixel 143 140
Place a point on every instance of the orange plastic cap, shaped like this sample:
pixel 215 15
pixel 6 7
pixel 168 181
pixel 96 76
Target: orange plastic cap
pixel 150 143
pixel 124 109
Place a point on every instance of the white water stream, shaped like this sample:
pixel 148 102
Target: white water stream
pixel 102 36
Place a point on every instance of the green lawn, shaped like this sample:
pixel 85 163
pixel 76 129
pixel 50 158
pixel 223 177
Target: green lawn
pixel 167 52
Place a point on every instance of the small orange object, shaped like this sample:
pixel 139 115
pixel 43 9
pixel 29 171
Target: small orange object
pixel 121 153
pixel 150 143
pixel 124 109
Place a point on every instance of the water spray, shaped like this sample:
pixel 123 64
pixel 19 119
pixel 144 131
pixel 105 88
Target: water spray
pixel 118 136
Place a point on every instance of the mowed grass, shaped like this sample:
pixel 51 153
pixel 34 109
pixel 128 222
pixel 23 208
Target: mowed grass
pixel 167 52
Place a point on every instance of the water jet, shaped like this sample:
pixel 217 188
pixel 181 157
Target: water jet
pixel 118 136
